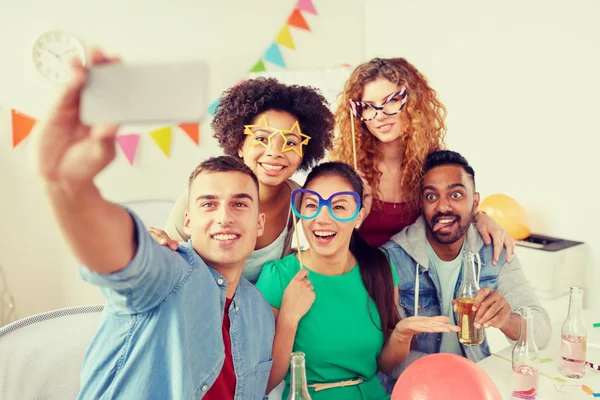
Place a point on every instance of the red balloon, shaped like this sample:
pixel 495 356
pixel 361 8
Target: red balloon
pixel 444 376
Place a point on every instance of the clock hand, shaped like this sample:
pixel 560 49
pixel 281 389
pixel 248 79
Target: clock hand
pixel 65 52
pixel 53 53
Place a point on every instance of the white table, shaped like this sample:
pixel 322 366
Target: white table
pixel 499 366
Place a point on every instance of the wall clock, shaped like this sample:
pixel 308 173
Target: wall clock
pixel 52 54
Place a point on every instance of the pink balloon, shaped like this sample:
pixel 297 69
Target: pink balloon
pixel 444 376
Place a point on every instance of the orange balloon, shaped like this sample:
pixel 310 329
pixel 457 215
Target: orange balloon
pixel 508 213
pixel 444 376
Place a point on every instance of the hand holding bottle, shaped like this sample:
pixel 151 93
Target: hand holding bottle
pixel 491 308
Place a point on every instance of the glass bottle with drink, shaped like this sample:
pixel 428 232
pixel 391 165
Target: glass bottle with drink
pixel 573 338
pixel 526 359
pixel 298 386
pixel 468 335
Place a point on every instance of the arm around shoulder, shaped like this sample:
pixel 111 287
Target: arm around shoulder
pixel 174 226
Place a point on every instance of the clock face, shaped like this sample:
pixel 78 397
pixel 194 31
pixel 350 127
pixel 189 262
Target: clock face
pixel 53 52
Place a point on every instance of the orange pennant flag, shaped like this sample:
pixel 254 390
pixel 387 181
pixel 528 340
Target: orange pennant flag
pixel 297 20
pixel 21 126
pixel 192 130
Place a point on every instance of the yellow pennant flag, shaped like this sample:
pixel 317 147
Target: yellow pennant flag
pixel 285 38
pixel 162 137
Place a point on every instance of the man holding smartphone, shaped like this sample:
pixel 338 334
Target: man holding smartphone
pixel 177 325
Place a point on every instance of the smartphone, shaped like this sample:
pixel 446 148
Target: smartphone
pixel 137 93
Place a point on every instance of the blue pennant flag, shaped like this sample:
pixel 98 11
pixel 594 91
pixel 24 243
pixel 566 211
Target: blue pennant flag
pixel 213 106
pixel 274 56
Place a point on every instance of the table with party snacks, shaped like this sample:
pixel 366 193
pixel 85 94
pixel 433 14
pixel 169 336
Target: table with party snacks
pixel 552 385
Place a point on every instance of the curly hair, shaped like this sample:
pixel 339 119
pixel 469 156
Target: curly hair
pixel 241 104
pixel 422 118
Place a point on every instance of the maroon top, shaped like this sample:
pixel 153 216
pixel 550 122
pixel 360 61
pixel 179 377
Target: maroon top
pixel 224 386
pixel 385 220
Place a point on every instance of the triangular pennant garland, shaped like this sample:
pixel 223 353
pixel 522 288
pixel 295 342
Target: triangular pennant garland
pixel 21 126
pixel 274 56
pixel 192 130
pixel 297 20
pixel 129 144
pixel 162 137
pixel 306 5
pixel 213 106
pixel 285 38
pixel 258 67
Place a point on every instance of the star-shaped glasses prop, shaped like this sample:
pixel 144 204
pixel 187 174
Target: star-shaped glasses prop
pixel 262 134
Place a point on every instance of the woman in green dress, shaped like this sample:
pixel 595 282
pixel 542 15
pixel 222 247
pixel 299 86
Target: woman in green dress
pixel 340 309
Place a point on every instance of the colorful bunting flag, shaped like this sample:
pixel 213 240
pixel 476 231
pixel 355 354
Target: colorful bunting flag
pixel 129 144
pixel 274 56
pixel 213 106
pixel 162 137
pixel 306 5
pixel 285 38
pixel 21 126
pixel 192 130
pixel 297 20
pixel 258 67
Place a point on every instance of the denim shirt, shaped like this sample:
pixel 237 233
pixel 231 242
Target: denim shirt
pixel 429 298
pixel 161 335
pixel 408 252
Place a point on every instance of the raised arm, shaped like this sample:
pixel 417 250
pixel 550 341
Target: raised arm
pixel 70 154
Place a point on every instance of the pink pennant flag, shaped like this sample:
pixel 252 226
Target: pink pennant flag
pixel 306 5
pixel 129 145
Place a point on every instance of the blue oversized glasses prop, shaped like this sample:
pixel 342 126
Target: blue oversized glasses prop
pixel 340 205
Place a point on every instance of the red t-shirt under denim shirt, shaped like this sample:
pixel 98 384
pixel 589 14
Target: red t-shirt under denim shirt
pixel 224 386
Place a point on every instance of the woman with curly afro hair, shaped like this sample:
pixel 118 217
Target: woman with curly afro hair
pixel 267 124
pixel 398 121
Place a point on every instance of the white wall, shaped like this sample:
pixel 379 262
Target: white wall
pixel 40 272
pixel 521 81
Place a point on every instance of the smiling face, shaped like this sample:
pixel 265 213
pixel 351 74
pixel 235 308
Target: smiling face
pixel 386 128
pixel 262 151
pixel 223 218
pixel 325 235
pixel 449 203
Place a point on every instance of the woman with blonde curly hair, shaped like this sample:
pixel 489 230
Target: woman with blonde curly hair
pixel 398 120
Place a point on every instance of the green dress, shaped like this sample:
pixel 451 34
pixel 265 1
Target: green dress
pixel 338 334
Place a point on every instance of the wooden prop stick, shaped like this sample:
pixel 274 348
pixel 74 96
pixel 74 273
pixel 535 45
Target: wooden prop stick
pixel 297 240
pixel 353 139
